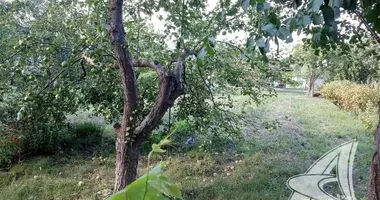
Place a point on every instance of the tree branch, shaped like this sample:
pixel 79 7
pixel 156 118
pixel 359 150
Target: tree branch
pixel 370 29
pixel 171 87
pixel 236 47
pixel 57 76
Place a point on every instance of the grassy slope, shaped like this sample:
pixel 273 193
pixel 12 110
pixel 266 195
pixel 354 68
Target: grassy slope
pixel 309 128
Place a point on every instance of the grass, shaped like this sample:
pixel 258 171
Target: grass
pixel 298 132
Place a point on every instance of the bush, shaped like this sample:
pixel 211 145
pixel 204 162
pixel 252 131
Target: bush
pixel 10 147
pixel 42 139
pixel 86 129
pixel 358 98
pixel 88 138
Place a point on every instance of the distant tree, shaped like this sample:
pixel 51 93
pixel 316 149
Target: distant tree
pixel 310 64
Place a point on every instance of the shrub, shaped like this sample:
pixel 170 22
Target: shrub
pixel 331 90
pixel 43 139
pixel 358 98
pixel 86 129
pixel 88 138
pixel 10 147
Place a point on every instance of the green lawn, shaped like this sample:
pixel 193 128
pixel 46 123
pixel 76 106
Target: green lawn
pixel 298 130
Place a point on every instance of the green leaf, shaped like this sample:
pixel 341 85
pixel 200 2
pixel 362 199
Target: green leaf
pixel 159 188
pixel 316 5
pixel 283 33
pixel 199 62
pixel 253 3
pixel 273 18
pixel 157 149
pixel 245 4
pixel 289 39
pixel 349 4
pixel 267 45
pixel 306 20
pixel 201 54
pixel 163 185
pixel 317 19
pixel 211 40
pixel 373 14
pixel 293 24
pixel 209 49
pixel 136 190
pixel 260 43
pixel 250 44
pixel 376 26
pixel 336 7
pixel 328 15
pixel 270 29
pixel 261 7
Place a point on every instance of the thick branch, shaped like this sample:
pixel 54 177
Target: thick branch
pixel 150 64
pixel 171 87
pixel 124 60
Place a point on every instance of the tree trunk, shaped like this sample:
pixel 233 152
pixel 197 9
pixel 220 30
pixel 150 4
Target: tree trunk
pixel 132 158
pixel 374 185
pixel 124 61
pixel 131 133
pixel 310 86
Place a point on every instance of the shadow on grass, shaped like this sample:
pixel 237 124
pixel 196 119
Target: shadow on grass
pixel 88 139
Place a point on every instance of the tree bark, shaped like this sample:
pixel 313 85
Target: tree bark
pixel 124 61
pixel 310 86
pixel 130 136
pixel 374 186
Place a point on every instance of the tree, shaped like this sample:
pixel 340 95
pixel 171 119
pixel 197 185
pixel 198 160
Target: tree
pixel 62 62
pixel 348 64
pixel 309 63
pixel 79 56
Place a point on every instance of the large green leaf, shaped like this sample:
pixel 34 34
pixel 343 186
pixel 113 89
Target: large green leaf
pixel 163 185
pixel 260 43
pixel 270 29
pixel 261 7
pixel 316 5
pixel 210 50
pixel 328 15
pixel 336 7
pixel 306 20
pixel 283 33
pixel 273 18
pixel 157 187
